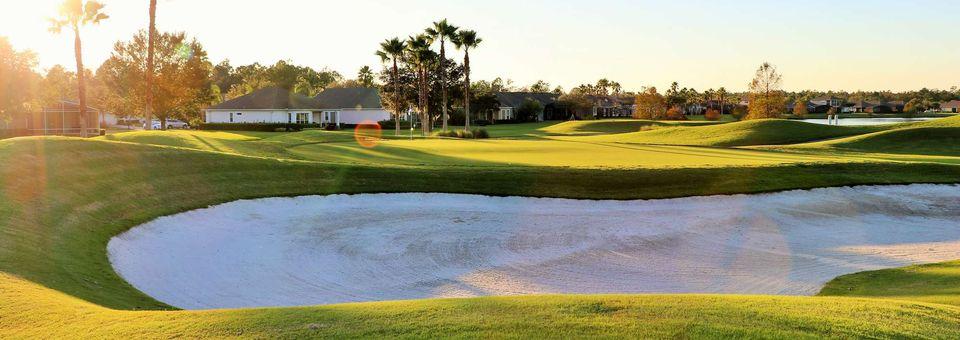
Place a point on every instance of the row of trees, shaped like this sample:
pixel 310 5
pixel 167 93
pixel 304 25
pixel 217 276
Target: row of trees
pixel 411 66
pixel 230 82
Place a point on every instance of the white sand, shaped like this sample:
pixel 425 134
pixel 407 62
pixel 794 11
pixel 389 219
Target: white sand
pixel 322 250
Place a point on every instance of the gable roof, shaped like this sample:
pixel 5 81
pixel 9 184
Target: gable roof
pixel 950 104
pixel 350 98
pixel 515 99
pixel 270 98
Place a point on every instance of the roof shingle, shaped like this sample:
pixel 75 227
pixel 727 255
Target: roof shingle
pixel 515 99
pixel 350 98
pixel 270 98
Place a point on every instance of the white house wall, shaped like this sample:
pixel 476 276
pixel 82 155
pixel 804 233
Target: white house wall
pixel 259 116
pixel 357 116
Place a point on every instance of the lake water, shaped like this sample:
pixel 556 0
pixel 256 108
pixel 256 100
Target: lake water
pixel 869 121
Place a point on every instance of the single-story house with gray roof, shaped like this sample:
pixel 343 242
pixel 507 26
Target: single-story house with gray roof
pixel 277 105
pixel 267 105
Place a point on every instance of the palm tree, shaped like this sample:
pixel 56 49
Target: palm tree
pixel 466 40
pixel 74 14
pixel 442 31
pixel 722 92
pixel 418 49
pixel 152 31
pixel 393 49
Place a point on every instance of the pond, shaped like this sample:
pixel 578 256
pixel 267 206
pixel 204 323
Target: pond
pixel 869 121
pixel 334 249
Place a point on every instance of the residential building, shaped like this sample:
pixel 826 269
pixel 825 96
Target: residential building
pixel 351 106
pixel 510 102
pixel 276 105
pixel 952 106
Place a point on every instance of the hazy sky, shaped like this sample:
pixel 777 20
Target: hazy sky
pixel 818 44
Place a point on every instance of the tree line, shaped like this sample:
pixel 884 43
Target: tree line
pixel 169 75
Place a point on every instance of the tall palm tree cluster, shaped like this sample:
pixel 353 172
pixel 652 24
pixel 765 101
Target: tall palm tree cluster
pixel 416 51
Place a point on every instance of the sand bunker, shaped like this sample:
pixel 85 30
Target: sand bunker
pixel 333 249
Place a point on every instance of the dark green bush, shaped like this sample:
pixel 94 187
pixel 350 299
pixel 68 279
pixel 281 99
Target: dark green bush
pixel 472 134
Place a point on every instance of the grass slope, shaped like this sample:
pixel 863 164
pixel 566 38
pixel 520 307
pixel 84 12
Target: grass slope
pixel 939 137
pixel 611 126
pixel 745 133
pixel 62 199
pixel 936 283
pixel 31 311
pixel 340 147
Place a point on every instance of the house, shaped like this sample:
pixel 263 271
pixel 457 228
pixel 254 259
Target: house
pixel 510 102
pixel 60 119
pixel 952 106
pixel 276 105
pixel 897 106
pixel 829 101
pixel 613 106
pixel 267 105
pixel 879 108
pixel 863 106
pixel 352 106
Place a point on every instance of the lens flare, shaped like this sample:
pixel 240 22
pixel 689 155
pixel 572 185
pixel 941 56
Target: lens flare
pixel 368 134
pixel 184 52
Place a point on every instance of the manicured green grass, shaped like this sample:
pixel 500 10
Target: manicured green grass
pixel 943 141
pixel 30 311
pixel 612 126
pixel 754 132
pixel 62 199
pixel 936 283
pixel 612 150
pixel 914 141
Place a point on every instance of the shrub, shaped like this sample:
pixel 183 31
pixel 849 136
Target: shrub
pixel 675 114
pixel 739 112
pixel 800 109
pixel 529 111
pixel 481 134
pixel 471 134
pixel 712 115
pixel 391 125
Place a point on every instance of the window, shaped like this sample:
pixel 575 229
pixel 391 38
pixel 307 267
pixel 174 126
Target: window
pixel 231 117
pixel 329 116
pixel 303 118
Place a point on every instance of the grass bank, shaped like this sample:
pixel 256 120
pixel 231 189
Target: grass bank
pixel 62 199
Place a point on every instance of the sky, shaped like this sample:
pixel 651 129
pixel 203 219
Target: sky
pixel 816 44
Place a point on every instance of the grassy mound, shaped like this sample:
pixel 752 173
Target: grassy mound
pixel 341 147
pixel 613 126
pixel 753 132
pixel 943 122
pixel 936 283
pixel 62 199
pixel 940 141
